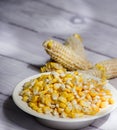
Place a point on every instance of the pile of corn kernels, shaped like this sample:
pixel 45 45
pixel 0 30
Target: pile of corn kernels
pixel 66 95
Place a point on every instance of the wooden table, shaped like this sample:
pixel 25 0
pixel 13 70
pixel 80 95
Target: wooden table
pixel 25 24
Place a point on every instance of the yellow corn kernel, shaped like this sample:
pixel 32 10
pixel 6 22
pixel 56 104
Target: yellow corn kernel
pixel 55 96
pixel 25 98
pixel 68 75
pixel 62 99
pixel 103 98
pixel 62 105
pixel 26 85
pixel 76 72
pixel 79 88
pixel 81 94
pixel 25 92
pixel 41 105
pixel 35 107
pixel 111 101
pixel 35 90
pixel 67 90
pixel 31 104
pixel 70 98
pixel 39 110
pixel 49 43
pixel 103 104
pixel 34 98
pixel 82 102
pixel 80 79
pixel 98 103
pixel 70 84
pixel 60 110
pixel 64 94
pixel 93 94
pixel 92 113
pixel 36 82
pixel 88 97
pixel 80 114
pixel 46 109
pixel 60 71
pixel 43 69
pixel 108 92
pixel 67 110
pixel 48 102
pixel 43 93
pixel 95 109
pixel 55 80
pixel 71 115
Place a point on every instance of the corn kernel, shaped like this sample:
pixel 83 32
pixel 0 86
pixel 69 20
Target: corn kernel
pixel 62 105
pixel 103 98
pixel 49 43
pixel 34 98
pixel 72 115
pixel 67 110
pixel 25 98
pixel 111 101
pixel 60 110
pixel 70 98
pixel 55 95
pixel 46 109
pixel 40 110
pixel 62 99
pixel 103 104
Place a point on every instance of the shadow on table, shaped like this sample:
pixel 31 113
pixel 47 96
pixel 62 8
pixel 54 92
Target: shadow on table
pixel 37 67
pixel 100 121
pixel 20 119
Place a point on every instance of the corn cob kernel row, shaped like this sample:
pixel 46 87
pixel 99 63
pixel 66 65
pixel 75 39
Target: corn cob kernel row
pixel 65 56
pixel 66 95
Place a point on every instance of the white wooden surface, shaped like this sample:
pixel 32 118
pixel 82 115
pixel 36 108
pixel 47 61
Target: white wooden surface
pixel 25 24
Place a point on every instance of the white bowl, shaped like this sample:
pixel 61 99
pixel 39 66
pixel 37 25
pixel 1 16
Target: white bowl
pixel 61 123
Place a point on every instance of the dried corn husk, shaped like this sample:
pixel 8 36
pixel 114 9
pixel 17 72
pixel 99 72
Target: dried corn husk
pixel 106 68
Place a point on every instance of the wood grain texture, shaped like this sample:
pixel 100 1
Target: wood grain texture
pixel 61 18
pixel 12 72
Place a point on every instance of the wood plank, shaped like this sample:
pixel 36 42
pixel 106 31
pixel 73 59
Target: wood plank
pixel 12 72
pixel 22 44
pixel 12 118
pixel 100 11
pixel 48 21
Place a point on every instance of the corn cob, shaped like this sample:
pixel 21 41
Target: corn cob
pixel 66 56
pixel 104 69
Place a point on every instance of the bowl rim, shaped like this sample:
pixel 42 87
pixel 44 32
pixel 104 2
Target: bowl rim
pixel 23 105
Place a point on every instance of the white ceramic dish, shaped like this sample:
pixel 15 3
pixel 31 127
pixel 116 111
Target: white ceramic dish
pixel 61 123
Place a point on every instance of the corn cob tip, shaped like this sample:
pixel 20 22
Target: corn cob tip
pixel 48 43
pixel 77 36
